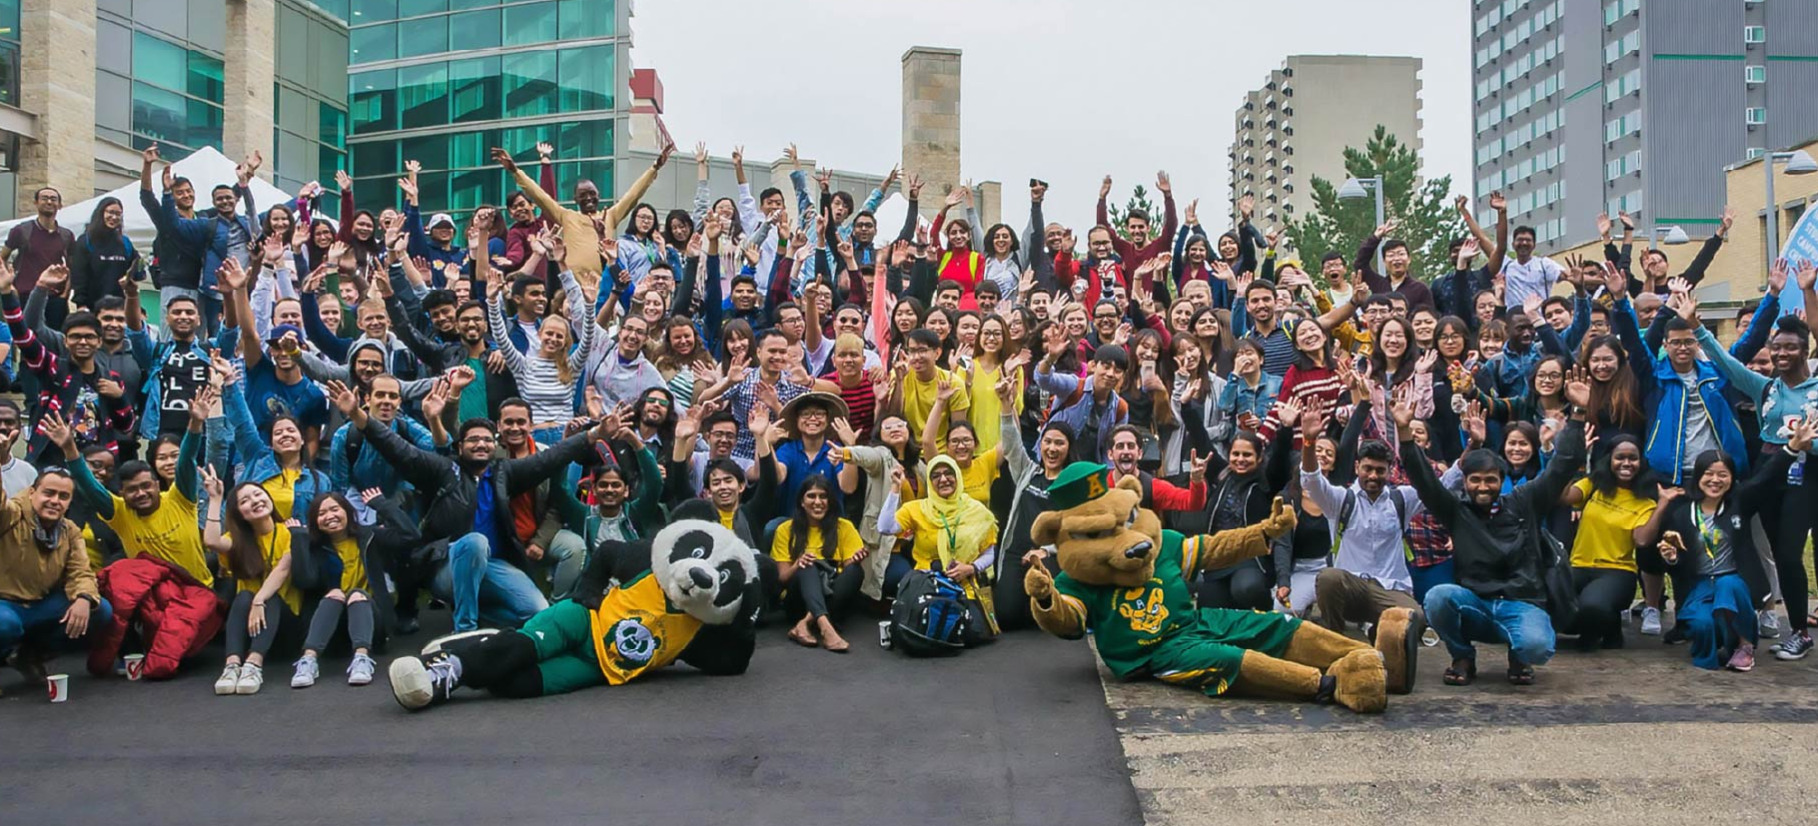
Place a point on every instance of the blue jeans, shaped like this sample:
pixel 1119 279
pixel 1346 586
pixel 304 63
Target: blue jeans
pixel 40 622
pixel 477 583
pixel 1459 617
pixel 1426 578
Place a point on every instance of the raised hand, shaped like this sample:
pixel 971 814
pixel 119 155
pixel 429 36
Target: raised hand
pixel 1287 411
pixel 1803 432
pixel 503 158
pixel 1777 275
pixel 1728 220
pixel 843 432
pixel 54 278
pixel 1162 183
pixel 1498 201
pixel 1578 386
pixel 1104 189
pixel 211 483
pixel 1246 206
pixel 1679 285
pixel 343 397
pixel 1425 363
pixel 58 431
pixel 1401 407
pixel 1474 423
pixel 1604 225
pixel 1672 544
pixel 1807 275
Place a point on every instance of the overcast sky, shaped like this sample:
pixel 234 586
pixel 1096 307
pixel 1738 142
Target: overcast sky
pixel 1063 90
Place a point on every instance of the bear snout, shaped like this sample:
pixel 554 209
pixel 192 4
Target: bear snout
pixel 1139 550
pixel 700 578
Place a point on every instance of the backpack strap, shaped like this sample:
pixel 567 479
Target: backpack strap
pixel 1344 518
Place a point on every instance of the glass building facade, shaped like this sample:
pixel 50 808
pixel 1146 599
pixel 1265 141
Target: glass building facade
pixel 442 81
pixel 159 77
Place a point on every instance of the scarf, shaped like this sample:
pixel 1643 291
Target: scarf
pixel 47 539
pixel 964 528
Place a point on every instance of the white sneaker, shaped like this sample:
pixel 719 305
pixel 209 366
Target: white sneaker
pixel 360 673
pixel 1650 621
pixel 230 677
pixel 252 678
pixel 1768 623
pixel 307 671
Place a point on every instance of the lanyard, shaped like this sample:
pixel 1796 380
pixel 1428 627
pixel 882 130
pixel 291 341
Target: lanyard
pixel 1707 531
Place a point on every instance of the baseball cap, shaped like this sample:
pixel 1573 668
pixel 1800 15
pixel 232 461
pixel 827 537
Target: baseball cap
pixel 441 218
pixel 282 330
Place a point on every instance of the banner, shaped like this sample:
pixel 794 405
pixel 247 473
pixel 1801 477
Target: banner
pixel 1801 246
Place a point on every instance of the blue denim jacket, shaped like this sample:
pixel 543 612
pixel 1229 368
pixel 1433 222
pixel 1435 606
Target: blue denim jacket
pixel 1239 397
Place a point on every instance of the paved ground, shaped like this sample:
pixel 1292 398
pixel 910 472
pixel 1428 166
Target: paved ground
pixel 1017 734
pixel 1633 736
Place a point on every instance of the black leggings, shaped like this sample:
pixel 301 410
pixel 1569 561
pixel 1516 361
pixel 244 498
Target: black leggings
pixel 327 617
pixel 1603 596
pixel 809 592
pixel 504 664
pixel 1011 598
pixel 1244 586
pixel 1790 525
pixel 237 643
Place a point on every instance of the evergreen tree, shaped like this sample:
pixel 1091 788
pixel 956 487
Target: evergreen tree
pixel 1426 221
pixel 1139 199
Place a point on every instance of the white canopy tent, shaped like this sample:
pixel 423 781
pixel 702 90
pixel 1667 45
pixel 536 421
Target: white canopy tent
pixel 205 168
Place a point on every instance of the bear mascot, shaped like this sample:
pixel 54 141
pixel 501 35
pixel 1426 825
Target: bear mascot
pixel 1128 581
pixel 689 593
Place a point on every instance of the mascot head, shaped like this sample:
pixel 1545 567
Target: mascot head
pixel 703 568
pixel 1100 532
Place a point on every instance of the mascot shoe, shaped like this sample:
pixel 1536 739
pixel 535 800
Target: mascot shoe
pixel 1359 681
pixel 448 640
pixel 1398 633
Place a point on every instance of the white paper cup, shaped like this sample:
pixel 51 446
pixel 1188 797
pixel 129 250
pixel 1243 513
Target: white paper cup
pixel 58 687
pixel 135 667
pixel 883 634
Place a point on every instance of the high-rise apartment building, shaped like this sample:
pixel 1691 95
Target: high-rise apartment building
pixel 86 84
pixel 1660 97
pixel 442 81
pixel 1298 124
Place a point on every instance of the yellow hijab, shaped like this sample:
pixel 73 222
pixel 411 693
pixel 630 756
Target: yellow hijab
pixel 966 527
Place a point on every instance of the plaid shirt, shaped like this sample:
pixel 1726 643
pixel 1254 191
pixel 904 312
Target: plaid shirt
pixel 743 395
pixel 1428 540
pixel 94 418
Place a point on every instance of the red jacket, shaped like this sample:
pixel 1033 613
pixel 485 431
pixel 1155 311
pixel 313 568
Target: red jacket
pixel 1132 255
pixel 176 614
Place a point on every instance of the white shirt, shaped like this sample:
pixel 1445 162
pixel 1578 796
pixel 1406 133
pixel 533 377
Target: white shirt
pixel 1519 280
pixel 1372 545
pixel 17 475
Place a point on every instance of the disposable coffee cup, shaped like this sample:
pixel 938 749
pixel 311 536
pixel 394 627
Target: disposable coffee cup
pixel 58 687
pixel 135 667
pixel 1429 638
pixel 883 634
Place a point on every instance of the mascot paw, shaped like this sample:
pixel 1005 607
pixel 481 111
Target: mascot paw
pixel 1039 584
pixel 1398 633
pixel 1280 521
pixel 1360 686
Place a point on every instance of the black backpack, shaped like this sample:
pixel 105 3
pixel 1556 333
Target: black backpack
pixel 931 616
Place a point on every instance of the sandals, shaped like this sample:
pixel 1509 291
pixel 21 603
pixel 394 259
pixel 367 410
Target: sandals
pixel 1456 676
pixel 1520 674
pixel 800 635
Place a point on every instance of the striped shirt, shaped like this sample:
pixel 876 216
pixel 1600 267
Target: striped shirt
pixel 539 379
pixel 861 404
pixel 1305 387
pixel 1278 351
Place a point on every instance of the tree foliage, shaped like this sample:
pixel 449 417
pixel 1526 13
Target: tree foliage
pixel 1426 220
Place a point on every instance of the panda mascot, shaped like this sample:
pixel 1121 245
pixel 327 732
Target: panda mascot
pixel 689 593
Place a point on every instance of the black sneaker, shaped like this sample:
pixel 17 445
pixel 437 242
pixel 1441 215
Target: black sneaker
pixel 29 663
pixel 1794 647
pixel 420 682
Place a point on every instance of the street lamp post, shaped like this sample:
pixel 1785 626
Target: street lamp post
pixel 1355 188
pixel 1797 163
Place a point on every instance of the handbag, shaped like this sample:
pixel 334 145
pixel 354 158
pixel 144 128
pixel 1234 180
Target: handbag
pixel 1556 575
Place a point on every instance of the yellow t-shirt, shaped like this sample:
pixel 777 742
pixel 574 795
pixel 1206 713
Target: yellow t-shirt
pixel 727 518
pixel 353 566
pixel 924 546
pixel 170 533
pixel 845 546
pixel 282 489
pixel 978 477
pixel 986 408
pixel 273 547
pixel 1606 531
pixel 918 402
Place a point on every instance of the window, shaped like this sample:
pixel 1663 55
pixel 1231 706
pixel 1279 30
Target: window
pixel 374 104
pixel 372 43
pixel 1754 34
pixel 586 19
pixel 473 30
pixel 332 128
pixel 423 96
pixel 412 8
pixel 373 11
pixel 420 37
pixel 1755 116
pixel 474 90
pixel 531 23
pixel 159 62
pixel 530 83
pixel 1756 152
pixel 1754 74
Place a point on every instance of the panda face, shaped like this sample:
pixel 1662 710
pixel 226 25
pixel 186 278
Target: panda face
pixel 703 569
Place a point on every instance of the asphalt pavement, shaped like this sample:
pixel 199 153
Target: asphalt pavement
pixel 1016 733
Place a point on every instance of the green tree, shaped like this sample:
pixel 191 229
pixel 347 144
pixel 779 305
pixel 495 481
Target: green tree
pixel 1423 212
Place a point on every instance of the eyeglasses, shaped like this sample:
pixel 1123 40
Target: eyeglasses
pixel 479 440
pixel 1682 342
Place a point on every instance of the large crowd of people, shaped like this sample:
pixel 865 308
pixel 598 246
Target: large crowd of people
pixel 336 427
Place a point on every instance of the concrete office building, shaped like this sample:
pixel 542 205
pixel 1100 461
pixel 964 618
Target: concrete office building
pixel 1660 97
pixel 85 85
pixel 1298 124
pixel 441 82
